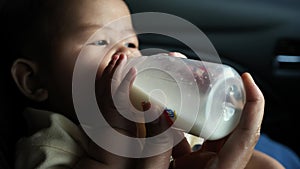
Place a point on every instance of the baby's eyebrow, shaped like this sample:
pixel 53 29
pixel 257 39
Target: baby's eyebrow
pixel 129 32
pixel 90 27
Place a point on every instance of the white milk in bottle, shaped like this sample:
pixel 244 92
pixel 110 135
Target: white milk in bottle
pixel 201 98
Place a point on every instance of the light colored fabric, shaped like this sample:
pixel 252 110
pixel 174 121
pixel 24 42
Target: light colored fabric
pixel 57 144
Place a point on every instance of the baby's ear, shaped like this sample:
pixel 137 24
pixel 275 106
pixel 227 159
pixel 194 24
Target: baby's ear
pixel 25 75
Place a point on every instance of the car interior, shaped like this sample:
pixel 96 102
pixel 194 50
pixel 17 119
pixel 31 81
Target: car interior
pixel 259 36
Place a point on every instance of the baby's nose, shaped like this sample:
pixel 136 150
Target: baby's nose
pixel 129 51
pixel 123 49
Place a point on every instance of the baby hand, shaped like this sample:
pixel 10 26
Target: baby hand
pixel 105 95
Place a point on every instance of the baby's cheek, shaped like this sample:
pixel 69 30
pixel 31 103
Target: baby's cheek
pixel 136 53
pixel 101 68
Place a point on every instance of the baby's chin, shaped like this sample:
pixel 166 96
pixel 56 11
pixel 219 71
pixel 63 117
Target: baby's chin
pixel 129 129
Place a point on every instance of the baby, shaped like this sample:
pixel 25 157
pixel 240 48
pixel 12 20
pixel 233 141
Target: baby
pixel 54 34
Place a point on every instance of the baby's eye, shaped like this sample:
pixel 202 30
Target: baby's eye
pixel 99 43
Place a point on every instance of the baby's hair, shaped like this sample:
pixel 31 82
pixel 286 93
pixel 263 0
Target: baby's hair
pixel 29 27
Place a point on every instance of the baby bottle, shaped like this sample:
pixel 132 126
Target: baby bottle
pixel 202 98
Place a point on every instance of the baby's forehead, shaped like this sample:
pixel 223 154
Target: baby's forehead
pixel 88 13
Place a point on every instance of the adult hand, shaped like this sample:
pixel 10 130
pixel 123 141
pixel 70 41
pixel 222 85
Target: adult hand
pixel 236 151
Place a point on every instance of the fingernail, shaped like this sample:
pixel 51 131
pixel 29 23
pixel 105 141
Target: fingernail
pixel 114 57
pixel 171 54
pixel 249 77
pixel 122 55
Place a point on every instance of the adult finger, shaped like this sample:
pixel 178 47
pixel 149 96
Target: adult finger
pixel 182 148
pixel 177 54
pixel 194 160
pixel 239 147
pixel 213 145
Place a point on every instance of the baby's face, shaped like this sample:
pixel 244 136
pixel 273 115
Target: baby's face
pixel 82 20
